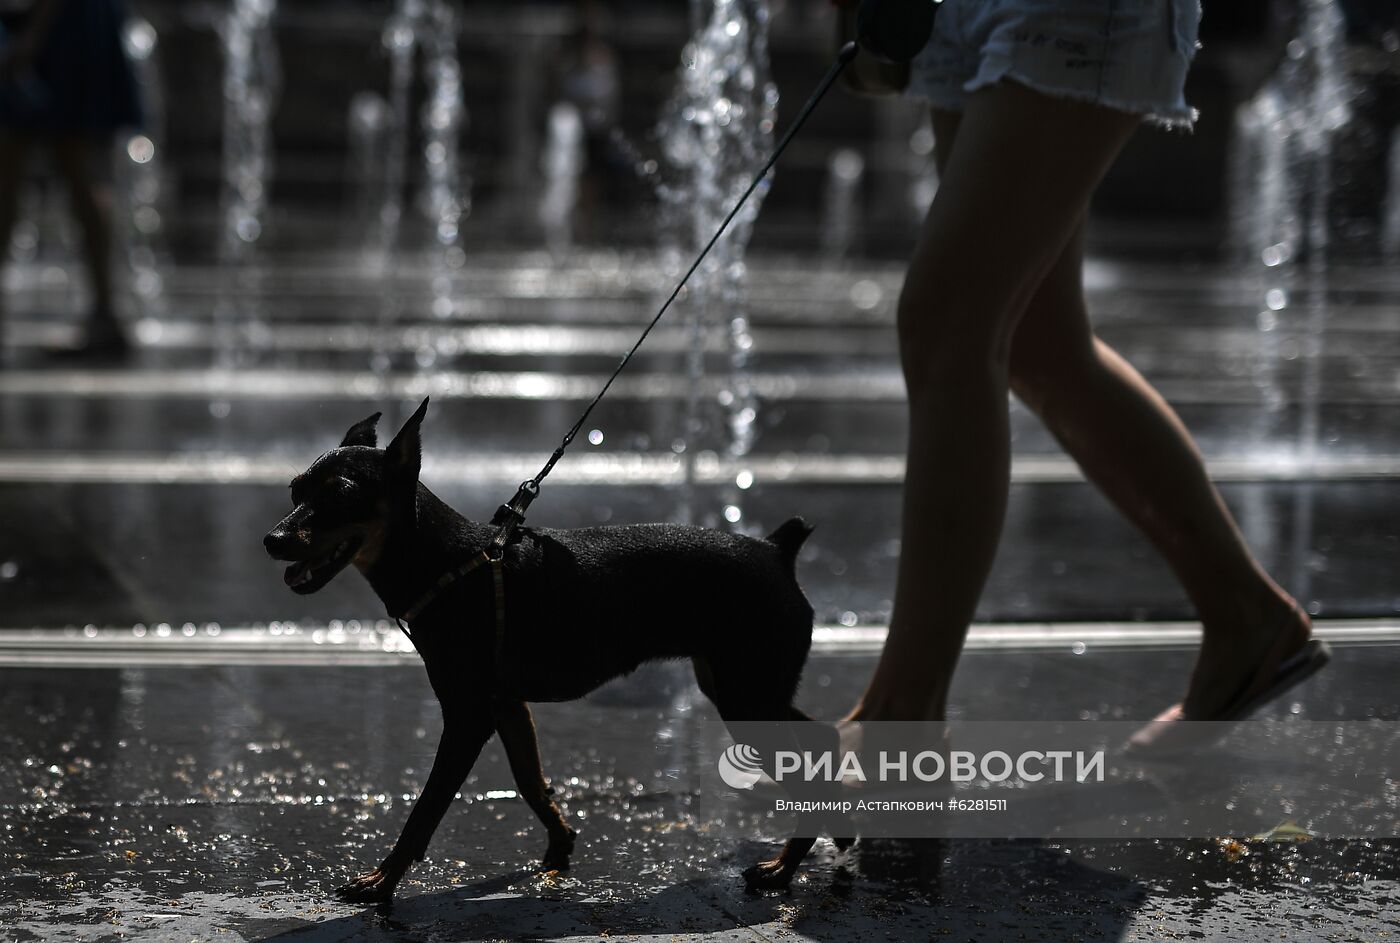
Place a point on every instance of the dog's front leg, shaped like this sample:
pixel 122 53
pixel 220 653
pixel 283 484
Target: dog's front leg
pixel 517 730
pixel 464 733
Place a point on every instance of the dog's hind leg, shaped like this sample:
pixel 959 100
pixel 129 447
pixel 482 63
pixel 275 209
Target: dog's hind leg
pixel 816 739
pixel 819 737
pixel 517 730
pixel 763 705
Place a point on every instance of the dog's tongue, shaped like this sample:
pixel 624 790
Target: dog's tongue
pixel 294 573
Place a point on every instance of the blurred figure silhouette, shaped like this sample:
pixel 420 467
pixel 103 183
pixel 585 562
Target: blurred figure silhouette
pixel 590 81
pixel 66 86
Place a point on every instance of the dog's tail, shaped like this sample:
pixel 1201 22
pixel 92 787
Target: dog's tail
pixel 789 538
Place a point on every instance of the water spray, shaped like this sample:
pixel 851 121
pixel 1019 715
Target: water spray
pixel 892 30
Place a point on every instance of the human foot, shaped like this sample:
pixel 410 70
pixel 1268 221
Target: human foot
pixel 872 741
pixel 1235 676
pixel 1238 662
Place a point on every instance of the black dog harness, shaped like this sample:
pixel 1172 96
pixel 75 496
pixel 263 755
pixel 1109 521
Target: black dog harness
pixel 508 518
pixel 498 582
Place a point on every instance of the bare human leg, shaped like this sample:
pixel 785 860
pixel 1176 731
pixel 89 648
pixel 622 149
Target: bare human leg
pixel 1134 448
pixel 1013 189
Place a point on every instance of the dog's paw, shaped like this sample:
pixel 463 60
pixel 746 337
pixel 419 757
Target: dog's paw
pixel 561 847
pixel 377 887
pixel 554 860
pixel 771 875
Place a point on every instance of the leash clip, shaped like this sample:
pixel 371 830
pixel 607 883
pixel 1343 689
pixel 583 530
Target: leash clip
pixel 512 513
pixel 509 516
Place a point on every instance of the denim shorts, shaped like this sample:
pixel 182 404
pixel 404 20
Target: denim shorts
pixel 1129 55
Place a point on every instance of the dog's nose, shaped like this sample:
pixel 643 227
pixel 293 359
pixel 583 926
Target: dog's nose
pixel 275 541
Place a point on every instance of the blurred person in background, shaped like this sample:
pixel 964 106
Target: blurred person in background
pixel 66 87
pixel 591 82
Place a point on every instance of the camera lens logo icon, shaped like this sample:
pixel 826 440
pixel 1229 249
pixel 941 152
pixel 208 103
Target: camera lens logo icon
pixel 740 766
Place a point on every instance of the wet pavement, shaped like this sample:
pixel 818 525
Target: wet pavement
pixel 228 752
pixel 225 803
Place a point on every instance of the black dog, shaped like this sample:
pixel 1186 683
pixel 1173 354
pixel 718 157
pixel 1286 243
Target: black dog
pixel 580 607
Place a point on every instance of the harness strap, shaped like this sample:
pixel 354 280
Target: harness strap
pixel 498 585
pixel 444 581
pixel 498 581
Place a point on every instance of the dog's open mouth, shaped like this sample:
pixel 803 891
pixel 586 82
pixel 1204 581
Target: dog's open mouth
pixel 307 576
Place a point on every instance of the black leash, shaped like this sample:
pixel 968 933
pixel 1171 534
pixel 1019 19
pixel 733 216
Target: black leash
pixel 891 29
pixel 511 515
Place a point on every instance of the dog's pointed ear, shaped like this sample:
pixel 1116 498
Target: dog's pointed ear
pixel 362 433
pixel 404 456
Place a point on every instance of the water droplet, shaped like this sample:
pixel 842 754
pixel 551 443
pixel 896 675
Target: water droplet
pixel 140 149
pixel 866 294
pixel 146 219
pixel 248 229
pixel 595 437
pixel 921 141
pixel 140 39
pixel 398 35
pixel 847 164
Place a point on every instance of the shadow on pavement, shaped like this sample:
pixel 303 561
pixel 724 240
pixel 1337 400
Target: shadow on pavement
pixel 903 889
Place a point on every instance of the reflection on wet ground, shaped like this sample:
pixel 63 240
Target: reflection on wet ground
pixel 185 802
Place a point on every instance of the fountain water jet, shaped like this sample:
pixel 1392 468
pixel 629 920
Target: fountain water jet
pixel 428 27
pixel 370 124
pixel 562 164
pixel 1285 138
pixel 252 84
pixel 1390 223
pixel 716 134
pixel 845 170
pixel 141 173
